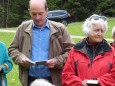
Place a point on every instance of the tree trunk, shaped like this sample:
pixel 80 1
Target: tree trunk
pixel 7 13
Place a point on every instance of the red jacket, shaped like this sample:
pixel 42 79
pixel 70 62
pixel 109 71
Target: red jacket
pixel 79 66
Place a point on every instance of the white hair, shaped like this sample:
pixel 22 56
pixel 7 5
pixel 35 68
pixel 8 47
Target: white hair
pixel 113 31
pixel 89 23
pixel 41 82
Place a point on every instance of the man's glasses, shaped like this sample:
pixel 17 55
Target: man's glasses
pixel 96 17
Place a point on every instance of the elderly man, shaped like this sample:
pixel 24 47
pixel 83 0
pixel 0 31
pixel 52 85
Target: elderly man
pixel 37 40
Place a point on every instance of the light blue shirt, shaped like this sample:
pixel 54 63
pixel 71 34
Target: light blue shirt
pixel 40 50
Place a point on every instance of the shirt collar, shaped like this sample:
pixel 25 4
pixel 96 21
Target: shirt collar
pixel 46 25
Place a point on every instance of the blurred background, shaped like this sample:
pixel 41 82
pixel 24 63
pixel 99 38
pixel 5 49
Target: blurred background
pixel 13 12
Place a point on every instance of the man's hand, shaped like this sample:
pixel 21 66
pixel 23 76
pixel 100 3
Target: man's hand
pixel 50 63
pixel 25 62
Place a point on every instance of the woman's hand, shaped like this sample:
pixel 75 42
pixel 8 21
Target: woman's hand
pixel 84 83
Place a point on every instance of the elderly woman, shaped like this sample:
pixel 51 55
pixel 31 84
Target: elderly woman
pixel 91 62
pixel 5 64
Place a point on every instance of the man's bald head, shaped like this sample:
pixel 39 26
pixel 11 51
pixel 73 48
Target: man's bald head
pixel 39 3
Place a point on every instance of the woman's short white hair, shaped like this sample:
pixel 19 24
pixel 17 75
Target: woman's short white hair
pixel 113 31
pixel 41 82
pixel 94 19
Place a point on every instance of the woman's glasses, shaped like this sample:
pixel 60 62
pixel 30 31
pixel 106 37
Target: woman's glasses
pixel 98 17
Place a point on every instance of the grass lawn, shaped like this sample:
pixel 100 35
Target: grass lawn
pixel 73 28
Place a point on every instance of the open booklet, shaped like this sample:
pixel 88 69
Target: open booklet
pixel 92 82
pixel 38 62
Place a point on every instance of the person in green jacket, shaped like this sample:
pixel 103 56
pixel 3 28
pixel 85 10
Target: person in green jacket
pixel 5 64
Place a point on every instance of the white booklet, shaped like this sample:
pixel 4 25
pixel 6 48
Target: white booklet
pixel 92 82
pixel 38 62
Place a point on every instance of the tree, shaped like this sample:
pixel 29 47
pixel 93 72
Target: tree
pixel 18 12
pixel 13 12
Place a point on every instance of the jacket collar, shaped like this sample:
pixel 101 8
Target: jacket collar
pixel 82 44
pixel 29 27
pixel 53 27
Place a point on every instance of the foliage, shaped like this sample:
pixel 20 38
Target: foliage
pixel 13 12
pixel 106 7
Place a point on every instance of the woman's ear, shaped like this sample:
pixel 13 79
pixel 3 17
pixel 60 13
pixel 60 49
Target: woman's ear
pixel 113 37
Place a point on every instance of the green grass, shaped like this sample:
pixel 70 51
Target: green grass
pixel 73 28
pixel 13 77
pixel 9 28
pixel 6 38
